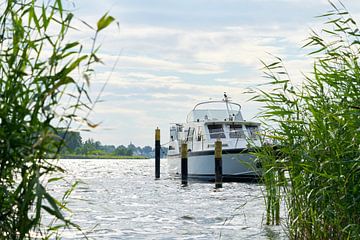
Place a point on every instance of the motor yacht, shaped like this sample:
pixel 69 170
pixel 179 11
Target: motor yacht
pixel 206 123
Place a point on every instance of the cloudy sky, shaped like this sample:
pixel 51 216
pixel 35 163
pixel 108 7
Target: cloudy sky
pixel 173 54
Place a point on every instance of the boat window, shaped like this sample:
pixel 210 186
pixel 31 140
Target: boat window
pixel 190 134
pixel 216 131
pixel 173 134
pixel 199 134
pixel 236 131
pixel 252 130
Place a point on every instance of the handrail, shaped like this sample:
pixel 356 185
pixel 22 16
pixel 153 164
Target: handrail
pixel 246 134
pixel 217 101
pixel 226 102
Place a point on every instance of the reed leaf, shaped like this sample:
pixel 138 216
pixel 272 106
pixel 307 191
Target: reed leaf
pixel 313 163
pixel 33 86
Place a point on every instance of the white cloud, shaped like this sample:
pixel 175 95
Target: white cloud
pixel 165 68
pixel 200 51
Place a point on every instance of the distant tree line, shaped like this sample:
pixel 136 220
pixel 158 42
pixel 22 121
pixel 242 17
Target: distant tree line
pixel 74 145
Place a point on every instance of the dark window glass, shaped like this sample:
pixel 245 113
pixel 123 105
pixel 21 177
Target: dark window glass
pixel 252 130
pixel 236 131
pixel 216 131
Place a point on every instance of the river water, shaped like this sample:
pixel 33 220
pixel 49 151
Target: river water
pixel 119 199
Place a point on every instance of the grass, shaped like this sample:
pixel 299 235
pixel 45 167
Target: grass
pixel 315 166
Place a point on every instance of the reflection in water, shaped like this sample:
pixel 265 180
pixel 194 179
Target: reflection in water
pixel 119 199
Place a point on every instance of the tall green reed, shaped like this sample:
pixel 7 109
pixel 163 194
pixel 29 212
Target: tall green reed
pixel 316 127
pixel 44 81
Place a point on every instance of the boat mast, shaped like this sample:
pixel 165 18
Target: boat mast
pixel 226 99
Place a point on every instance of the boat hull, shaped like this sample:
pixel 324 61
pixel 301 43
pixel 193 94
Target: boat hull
pixel 237 164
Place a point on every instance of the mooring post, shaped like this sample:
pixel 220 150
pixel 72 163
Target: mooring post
pixel 184 164
pixel 218 164
pixel 157 153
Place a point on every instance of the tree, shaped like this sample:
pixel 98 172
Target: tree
pixel 123 151
pixel 147 150
pixel 87 147
pixel 108 148
pixel 72 140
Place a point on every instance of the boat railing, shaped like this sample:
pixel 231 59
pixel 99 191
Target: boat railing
pixel 237 134
pixel 203 136
pixel 219 101
pixel 206 139
pixel 230 107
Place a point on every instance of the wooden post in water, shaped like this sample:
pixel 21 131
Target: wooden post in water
pixel 157 153
pixel 218 164
pixel 184 164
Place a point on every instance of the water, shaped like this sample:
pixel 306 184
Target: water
pixel 119 199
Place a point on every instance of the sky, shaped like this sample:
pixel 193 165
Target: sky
pixel 173 54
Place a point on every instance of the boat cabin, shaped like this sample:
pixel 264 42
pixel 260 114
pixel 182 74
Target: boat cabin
pixel 205 125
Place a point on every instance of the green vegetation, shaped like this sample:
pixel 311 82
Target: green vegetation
pixel 316 128
pixel 43 84
pixel 74 147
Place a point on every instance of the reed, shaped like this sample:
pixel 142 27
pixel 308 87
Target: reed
pixel 316 128
pixel 44 82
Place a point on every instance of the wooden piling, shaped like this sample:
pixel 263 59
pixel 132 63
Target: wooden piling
pixel 218 164
pixel 184 164
pixel 157 153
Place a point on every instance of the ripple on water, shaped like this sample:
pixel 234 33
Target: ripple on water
pixel 119 199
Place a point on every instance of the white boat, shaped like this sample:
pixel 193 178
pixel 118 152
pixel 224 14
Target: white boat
pixel 207 122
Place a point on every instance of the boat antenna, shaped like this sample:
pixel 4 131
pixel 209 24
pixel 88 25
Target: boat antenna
pixel 226 100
